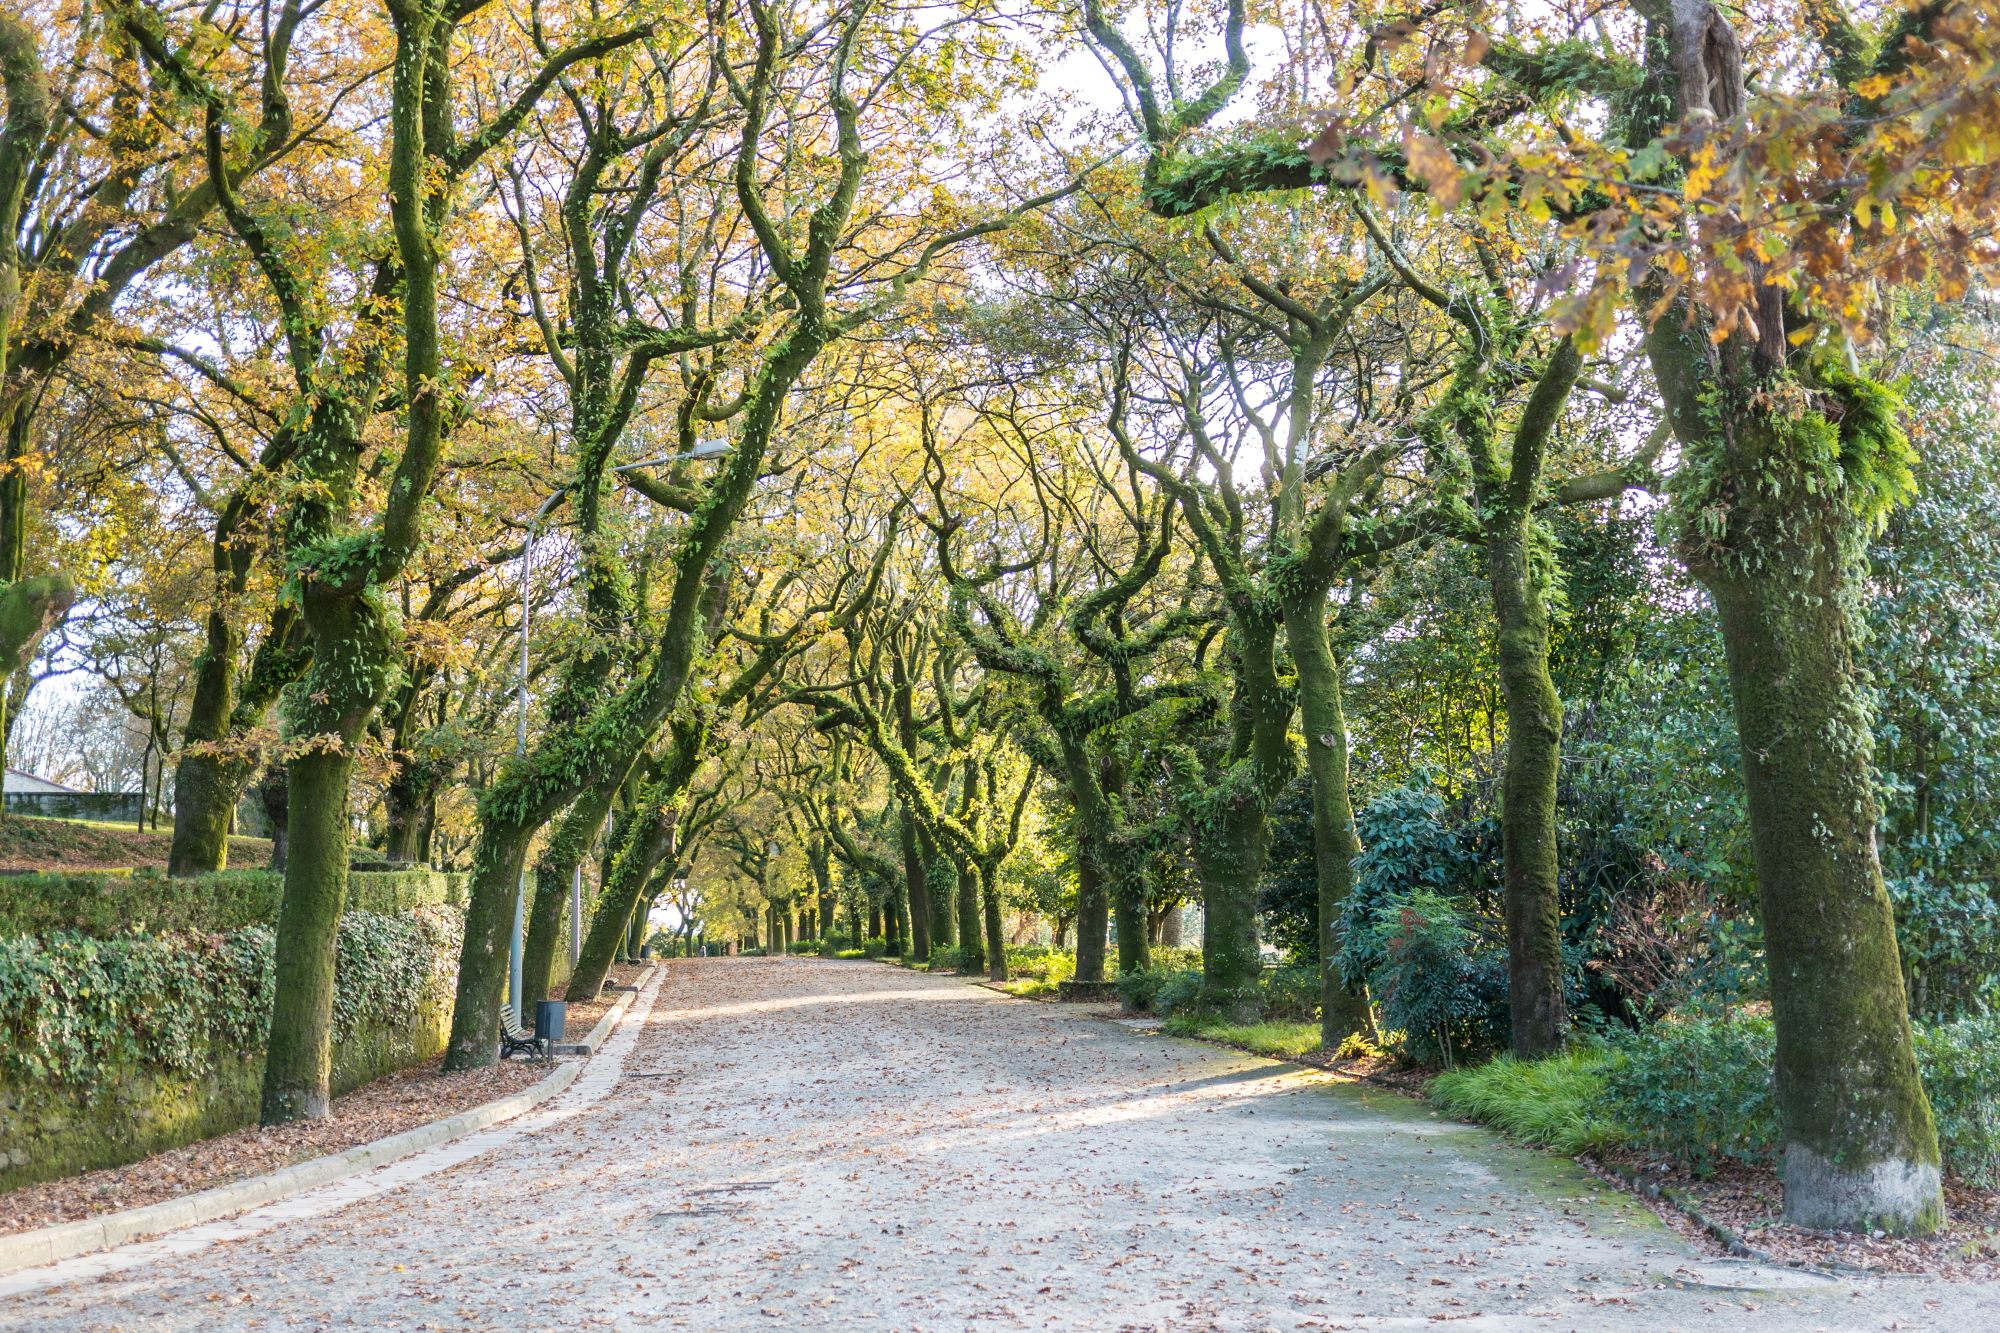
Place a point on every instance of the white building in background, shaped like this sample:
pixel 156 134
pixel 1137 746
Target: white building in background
pixel 17 781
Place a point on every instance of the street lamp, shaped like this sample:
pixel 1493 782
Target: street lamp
pixel 710 448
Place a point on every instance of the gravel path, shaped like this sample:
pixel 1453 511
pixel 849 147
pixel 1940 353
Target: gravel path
pixel 803 1144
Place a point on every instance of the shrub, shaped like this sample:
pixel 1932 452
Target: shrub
pixel 1175 958
pixel 874 947
pixel 1439 983
pixel 852 953
pixel 1961 1071
pixel 1041 963
pixel 1696 1090
pixel 1291 993
pixel 1408 848
pixel 1557 1103
pixel 1177 993
pixel 813 947
pixel 1139 989
pixel 1948 935
pixel 946 957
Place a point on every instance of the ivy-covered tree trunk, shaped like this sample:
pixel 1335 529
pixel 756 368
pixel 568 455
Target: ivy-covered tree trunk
pixel 1123 876
pixel 651 842
pixel 1517 579
pixel 1342 1010
pixel 1093 869
pixel 29 607
pixel 1532 899
pixel 944 907
pixel 820 858
pixel 1860 1149
pixel 274 797
pixel 1789 460
pixel 412 836
pixel 544 932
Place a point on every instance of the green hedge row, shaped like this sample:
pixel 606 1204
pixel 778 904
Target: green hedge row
pixel 73 1007
pixel 106 905
pixel 112 1048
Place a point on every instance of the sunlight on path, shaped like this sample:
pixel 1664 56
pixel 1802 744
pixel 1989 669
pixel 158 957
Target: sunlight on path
pixel 815 1144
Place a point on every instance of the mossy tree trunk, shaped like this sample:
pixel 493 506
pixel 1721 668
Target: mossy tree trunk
pixel 1342 1009
pixel 298 1062
pixel 916 876
pixel 1518 569
pixel 971 949
pixel 1860 1148
pixel 1232 819
pixel 996 938
pixel 29 608
pixel 1789 461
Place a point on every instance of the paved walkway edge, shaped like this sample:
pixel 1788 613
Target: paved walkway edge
pixel 66 1240
pixel 595 1037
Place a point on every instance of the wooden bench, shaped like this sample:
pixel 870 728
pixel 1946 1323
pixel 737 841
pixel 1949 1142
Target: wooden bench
pixel 515 1039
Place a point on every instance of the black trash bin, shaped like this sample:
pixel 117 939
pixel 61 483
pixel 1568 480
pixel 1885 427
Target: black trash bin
pixel 551 1018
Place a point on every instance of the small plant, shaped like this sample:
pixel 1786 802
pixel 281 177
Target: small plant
pixel 1177 993
pixel 874 947
pixel 1696 1090
pixel 946 958
pixel 1356 1046
pixel 1439 982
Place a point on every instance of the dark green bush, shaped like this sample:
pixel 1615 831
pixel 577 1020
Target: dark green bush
pixel 1139 989
pixel 1948 935
pixel 874 947
pixel 1961 1070
pixel 1439 982
pixel 1696 1091
pixel 1291 992
pixel 1177 993
pixel 946 957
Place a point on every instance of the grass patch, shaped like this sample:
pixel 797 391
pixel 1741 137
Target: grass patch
pixel 1279 1039
pixel 1553 1103
pixel 34 842
pixel 1029 988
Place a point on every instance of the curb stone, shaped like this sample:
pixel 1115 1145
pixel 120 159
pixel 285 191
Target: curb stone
pixel 66 1240
pixel 595 1038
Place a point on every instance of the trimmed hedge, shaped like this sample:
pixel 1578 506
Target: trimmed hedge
pixel 114 1048
pixel 107 905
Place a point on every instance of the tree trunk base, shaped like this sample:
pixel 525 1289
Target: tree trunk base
pixel 1898 1196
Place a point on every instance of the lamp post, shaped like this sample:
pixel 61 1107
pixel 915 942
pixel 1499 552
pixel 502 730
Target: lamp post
pixel 702 449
